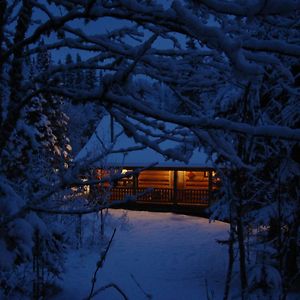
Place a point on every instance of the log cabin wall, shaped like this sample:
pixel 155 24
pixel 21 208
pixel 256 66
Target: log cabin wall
pixel 196 180
pixel 165 179
pixel 155 178
pixel 177 187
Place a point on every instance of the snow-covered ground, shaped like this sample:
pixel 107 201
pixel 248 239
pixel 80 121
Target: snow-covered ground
pixel 153 256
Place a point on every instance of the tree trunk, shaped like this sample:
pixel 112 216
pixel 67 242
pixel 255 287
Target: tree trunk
pixel 3 5
pixel 230 261
pixel 291 266
pixel 242 253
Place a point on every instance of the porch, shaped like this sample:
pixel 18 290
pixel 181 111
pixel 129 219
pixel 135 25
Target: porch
pixel 167 196
pixel 178 190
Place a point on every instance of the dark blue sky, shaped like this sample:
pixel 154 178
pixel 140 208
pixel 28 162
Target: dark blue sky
pixel 102 26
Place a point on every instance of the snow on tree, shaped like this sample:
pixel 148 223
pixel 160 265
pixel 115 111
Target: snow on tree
pixel 53 109
pixel 231 68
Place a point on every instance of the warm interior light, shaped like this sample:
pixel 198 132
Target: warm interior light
pixel 191 175
pixel 124 171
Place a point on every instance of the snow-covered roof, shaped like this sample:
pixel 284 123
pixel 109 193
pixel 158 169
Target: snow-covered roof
pixel 101 140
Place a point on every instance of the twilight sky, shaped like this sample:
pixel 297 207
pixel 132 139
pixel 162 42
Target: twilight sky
pixel 102 26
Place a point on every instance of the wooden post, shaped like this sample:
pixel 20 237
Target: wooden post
pixel 175 179
pixel 210 187
pixel 135 183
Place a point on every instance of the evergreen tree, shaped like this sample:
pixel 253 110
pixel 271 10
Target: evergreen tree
pixel 90 78
pixel 43 59
pixel 52 108
pixel 28 170
pixel 69 75
pixel 79 74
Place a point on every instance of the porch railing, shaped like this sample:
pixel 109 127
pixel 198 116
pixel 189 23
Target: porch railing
pixel 162 196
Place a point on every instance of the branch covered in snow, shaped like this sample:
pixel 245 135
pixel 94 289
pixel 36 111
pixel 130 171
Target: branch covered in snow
pixel 257 8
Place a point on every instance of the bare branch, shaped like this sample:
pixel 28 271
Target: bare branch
pixel 100 265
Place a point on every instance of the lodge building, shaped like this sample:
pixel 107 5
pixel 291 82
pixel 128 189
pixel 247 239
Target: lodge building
pixel 169 186
pixel 167 183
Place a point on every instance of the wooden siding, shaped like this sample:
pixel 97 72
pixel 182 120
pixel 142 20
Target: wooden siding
pixel 155 179
pixel 196 180
pixel 158 187
pixel 164 179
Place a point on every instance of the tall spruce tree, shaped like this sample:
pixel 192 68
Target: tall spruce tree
pixel 28 168
pixel 52 108
pixel 90 78
pixel 79 74
pixel 69 74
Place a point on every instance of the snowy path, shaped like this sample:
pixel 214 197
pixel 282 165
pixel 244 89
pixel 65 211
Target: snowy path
pixel 170 256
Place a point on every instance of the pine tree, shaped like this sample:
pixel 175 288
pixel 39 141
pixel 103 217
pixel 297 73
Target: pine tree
pixel 79 74
pixel 26 163
pixel 43 59
pixel 69 75
pixel 52 108
pixel 90 78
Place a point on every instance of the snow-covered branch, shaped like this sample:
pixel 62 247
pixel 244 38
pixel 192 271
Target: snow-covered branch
pixel 257 8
